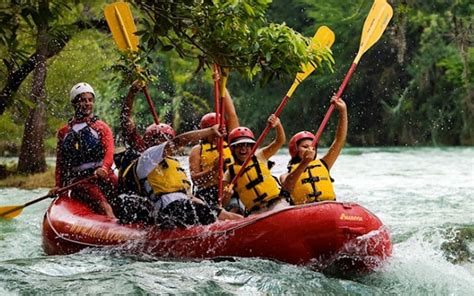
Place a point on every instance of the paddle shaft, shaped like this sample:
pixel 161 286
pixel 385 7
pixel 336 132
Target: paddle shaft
pixel 217 108
pixel 220 148
pixel 331 107
pixel 220 142
pixel 150 103
pixel 259 140
pixel 60 190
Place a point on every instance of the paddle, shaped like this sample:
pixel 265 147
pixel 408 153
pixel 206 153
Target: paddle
pixel 10 212
pixel 220 141
pixel 324 37
pixel 374 26
pixel 120 20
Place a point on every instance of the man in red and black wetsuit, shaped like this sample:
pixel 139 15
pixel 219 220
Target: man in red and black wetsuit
pixel 86 147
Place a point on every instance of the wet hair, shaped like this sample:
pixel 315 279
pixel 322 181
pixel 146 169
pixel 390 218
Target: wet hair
pixel 293 160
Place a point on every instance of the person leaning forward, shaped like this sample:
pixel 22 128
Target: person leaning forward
pixel 159 178
pixel 166 184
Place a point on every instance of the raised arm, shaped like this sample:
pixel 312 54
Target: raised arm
pixel 126 121
pixel 129 131
pixel 232 120
pixel 280 139
pixel 341 133
pixel 189 138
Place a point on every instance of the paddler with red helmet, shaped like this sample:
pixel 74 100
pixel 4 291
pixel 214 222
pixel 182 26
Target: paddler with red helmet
pixel 203 158
pixel 308 179
pixel 257 189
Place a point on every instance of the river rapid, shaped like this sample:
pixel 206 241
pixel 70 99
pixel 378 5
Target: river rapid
pixel 425 197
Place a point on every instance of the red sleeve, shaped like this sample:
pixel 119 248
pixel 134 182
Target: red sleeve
pixel 58 171
pixel 107 140
pixel 129 130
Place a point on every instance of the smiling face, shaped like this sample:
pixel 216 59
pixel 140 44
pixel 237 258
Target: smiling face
pixel 241 151
pixel 302 146
pixel 84 105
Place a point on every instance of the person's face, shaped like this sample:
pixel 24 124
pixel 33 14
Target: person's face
pixel 303 145
pixel 242 150
pixel 84 105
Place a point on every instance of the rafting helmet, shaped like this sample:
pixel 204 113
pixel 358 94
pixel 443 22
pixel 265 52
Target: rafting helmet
pixel 79 88
pixel 208 120
pixel 296 138
pixel 240 135
pixel 161 132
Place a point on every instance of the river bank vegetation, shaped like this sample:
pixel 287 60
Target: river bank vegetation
pixel 415 87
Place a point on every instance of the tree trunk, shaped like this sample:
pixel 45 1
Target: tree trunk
pixel 32 155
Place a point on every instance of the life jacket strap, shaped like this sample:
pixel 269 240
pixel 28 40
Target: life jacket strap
pixel 260 198
pixel 310 180
pixel 314 194
pixel 255 182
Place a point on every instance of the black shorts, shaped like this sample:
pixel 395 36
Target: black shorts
pixel 209 195
pixel 184 213
pixel 133 208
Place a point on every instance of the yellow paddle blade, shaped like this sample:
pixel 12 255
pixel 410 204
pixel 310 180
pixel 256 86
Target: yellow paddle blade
pixel 223 80
pixel 374 26
pixel 10 212
pixel 120 20
pixel 324 38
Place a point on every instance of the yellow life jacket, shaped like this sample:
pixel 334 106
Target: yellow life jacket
pixel 209 154
pixel 168 177
pixel 314 184
pixel 256 186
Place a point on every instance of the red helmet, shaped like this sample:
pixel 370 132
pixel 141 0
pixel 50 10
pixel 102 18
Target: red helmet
pixel 296 138
pixel 241 134
pixel 154 131
pixel 208 120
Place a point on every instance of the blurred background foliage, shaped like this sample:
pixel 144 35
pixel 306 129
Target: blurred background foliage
pixel 414 87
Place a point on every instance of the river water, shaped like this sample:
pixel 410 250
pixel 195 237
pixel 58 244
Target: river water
pixel 425 196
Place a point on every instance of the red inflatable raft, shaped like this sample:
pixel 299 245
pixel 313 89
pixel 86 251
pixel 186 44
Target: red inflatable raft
pixel 328 236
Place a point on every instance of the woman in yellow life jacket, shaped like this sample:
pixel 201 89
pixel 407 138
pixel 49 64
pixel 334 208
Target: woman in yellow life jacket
pixel 308 178
pixel 257 189
pixel 204 157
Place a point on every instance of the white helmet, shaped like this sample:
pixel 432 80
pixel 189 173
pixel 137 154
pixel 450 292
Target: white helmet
pixel 80 88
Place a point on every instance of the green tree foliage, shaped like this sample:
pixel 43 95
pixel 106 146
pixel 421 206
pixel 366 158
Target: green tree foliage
pixel 414 87
pixel 32 34
pixel 233 34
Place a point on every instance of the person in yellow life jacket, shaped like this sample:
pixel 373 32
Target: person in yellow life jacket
pixel 308 178
pixel 257 189
pixel 154 188
pixel 204 157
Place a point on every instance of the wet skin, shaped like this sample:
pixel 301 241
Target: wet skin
pixel 84 105
pixel 242 151
pixel 305 150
